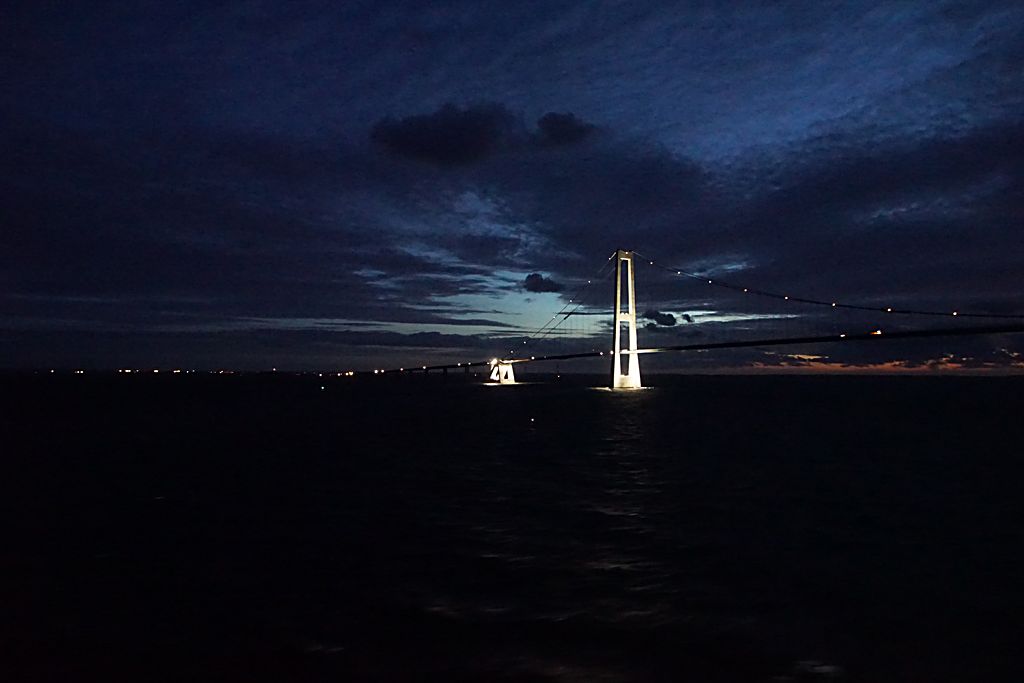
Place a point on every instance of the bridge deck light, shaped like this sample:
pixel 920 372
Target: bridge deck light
pixel 954 312
pixel 833 304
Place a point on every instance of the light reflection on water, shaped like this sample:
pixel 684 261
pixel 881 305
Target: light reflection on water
pixel 652 509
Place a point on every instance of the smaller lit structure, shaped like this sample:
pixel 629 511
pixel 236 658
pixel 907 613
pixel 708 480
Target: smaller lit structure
pixel 502 372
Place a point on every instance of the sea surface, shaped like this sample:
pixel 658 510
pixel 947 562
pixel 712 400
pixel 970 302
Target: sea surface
pixel 283 528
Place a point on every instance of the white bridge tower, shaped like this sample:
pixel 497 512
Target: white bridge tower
pixel 631 379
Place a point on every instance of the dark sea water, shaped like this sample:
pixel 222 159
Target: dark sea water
pixel 201 528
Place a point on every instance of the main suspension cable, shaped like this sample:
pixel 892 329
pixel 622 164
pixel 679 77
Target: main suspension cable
pixel 832 304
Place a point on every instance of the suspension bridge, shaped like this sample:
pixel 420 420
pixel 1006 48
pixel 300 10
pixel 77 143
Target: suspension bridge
pixel 625 351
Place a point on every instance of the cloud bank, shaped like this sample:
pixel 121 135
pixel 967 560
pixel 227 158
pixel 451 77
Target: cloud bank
pixel 429 187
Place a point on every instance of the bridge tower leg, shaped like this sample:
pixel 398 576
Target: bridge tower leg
pixel 502 372
pixel 630 380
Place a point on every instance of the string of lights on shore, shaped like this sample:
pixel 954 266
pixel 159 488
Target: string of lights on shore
pixel 816 302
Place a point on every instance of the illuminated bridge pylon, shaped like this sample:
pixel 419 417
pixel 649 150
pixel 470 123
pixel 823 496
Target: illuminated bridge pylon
pixel 631 378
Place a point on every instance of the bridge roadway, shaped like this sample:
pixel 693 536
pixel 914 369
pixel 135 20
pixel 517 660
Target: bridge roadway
pixel 876 335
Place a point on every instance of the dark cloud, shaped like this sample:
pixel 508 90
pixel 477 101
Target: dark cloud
pixel 563 129
pixel 535 282
pixel 659 318
pixel 458 136
pixel 902 218
pixel 451 136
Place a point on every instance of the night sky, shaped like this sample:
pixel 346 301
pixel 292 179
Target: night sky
pixel 347 185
